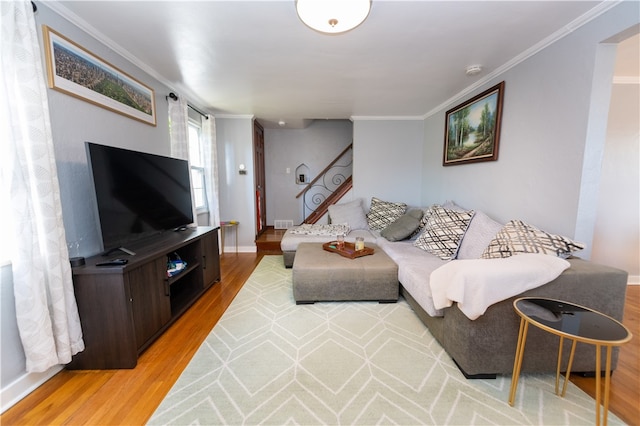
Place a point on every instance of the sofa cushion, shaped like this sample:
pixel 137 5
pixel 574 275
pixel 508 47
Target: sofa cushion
pixel 403 227
pixel 423 222
pixel 518 237
pixel 481 231
pixel 443 231
pixel 383 213
pixel 350 213
pixel 414 269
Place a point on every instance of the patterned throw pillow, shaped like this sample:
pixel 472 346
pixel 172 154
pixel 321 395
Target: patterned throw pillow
pixel 443 231
pixel 518 237
pixel 383 213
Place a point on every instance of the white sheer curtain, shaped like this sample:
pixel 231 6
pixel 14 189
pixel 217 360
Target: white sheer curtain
pixel 211 169
pixel 179 128
pixel 47 314
pixel 179 135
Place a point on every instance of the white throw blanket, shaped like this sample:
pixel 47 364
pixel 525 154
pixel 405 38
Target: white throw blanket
pixel 476 284
pixel 320 229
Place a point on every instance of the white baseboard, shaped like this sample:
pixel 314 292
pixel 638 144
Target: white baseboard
pixel 633 280
pixel 23 386
pixel 241 249
pixel 248 249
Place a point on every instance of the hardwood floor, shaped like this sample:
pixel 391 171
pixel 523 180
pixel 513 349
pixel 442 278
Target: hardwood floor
pixel 625 380
pixel 129 397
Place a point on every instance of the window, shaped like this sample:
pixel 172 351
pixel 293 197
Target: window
pixel 197 166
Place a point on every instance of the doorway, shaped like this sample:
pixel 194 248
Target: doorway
pixel 616 240
pixel 260 181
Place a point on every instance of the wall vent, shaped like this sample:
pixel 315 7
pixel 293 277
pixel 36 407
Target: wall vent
pixel 282 224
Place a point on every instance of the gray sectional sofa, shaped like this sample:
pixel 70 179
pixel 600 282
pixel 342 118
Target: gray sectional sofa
pixel 484 346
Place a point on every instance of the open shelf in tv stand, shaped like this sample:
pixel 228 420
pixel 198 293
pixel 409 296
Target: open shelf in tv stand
pixel 123 309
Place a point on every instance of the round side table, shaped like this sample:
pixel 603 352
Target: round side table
pixel 574 322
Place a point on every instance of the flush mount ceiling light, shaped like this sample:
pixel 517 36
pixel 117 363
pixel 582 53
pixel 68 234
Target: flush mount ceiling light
pixel 333 16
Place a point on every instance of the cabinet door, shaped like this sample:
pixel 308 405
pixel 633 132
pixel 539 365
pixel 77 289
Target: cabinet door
pixel 151 304
pixel 107 325
pixel 210 258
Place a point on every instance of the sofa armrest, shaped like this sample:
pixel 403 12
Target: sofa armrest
pixel 487 344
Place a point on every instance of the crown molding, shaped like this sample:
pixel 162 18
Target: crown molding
pixel 236 116
pixel 100 37
pixel 543 44
pixel 385 118
pixel 593 13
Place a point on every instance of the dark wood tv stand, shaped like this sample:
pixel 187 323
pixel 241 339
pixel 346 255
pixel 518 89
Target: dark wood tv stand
pixel 123 309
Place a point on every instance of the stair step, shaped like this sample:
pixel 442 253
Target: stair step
pixel 269 241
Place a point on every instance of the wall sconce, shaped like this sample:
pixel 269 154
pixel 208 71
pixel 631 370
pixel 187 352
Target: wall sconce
pixel 242 169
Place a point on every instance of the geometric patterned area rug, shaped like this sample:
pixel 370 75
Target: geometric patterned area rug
pixel 270 361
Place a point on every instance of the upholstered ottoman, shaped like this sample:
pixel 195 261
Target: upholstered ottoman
pixel 319 275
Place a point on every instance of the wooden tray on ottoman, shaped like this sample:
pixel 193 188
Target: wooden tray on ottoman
pixel 349 249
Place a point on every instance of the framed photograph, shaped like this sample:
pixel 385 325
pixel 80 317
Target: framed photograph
pixel 74 70
pixel 472 129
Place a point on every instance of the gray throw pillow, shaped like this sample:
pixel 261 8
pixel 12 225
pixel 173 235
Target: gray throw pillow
pixel 480 233
pixel 350 213
pixel 403 227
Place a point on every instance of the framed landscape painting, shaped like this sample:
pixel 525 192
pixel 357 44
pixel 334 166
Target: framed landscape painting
pixel 472 129
pixel 73 70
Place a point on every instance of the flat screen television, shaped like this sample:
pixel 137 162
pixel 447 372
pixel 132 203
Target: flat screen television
pixel 138 194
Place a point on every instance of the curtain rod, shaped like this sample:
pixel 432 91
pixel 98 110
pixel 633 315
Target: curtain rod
pixel 175 98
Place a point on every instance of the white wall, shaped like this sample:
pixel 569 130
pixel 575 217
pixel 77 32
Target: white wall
pixel 234 136
pixel 315 146
pixel 73 122
pixel 539 174
pixel 616 241
pixel 388 160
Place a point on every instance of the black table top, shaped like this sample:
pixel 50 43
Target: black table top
pixel 574 321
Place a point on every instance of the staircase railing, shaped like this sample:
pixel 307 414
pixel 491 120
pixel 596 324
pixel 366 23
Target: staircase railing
pixel 328 186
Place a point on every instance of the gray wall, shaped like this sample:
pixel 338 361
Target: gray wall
pixel 234 136
pixel 539 176
pixel 73 122
pixel 315 146
pixel 388 160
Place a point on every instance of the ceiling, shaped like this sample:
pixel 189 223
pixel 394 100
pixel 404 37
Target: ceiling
pixel 257 58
